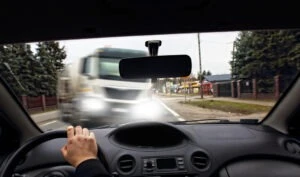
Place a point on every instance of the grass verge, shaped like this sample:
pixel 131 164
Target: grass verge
pixel 229 106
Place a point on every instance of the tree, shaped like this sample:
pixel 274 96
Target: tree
pixel 10 67
pixel 241 54
pixel 29 74
pixel 25 73
pixel 264 54
pixel 51 56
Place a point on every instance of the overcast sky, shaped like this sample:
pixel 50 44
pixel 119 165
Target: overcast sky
pixel 215 48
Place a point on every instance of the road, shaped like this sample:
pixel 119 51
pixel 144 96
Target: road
pixel 50 120
pixel 170 109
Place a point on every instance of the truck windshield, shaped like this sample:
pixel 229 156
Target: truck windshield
pixel 109 69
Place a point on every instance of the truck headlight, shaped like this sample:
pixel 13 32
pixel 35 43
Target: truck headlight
pixel 92 104
pixel 149 109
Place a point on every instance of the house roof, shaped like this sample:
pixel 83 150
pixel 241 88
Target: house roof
pixel 218 78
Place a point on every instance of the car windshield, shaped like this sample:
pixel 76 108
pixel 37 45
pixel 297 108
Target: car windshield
pixel 236 77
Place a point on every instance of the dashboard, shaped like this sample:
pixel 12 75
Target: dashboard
pixel 163 149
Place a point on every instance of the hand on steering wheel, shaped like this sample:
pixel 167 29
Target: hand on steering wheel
pixel 10 165
pixel 81 146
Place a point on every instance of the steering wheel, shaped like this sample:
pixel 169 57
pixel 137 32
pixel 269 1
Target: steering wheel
pixel 13 161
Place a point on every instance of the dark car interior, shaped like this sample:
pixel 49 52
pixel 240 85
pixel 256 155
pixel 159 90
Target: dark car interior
pixel 269 148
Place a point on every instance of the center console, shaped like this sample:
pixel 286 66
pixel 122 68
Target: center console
pixel 159 165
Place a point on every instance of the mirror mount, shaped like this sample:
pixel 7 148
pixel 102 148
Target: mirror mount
pixel 153 47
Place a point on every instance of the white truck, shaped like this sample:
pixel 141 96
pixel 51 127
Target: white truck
pixel 92 90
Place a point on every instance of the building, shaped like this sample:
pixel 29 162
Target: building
pixel 218 78
pixel 221 84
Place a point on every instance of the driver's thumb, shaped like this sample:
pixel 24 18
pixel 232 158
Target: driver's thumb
pixel 64 151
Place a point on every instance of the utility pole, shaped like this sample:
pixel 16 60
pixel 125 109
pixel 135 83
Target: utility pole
pixel 200 65
pixel 233 62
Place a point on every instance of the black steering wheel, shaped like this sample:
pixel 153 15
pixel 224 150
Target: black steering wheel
pixel 14 160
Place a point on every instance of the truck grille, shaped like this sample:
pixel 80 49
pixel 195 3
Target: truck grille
pixel 122 94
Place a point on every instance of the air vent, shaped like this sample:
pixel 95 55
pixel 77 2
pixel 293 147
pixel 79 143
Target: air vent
pixel 200 160
pixel 126 163
pixel 292 147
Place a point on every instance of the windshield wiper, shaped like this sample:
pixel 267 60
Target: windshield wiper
pixel 202 120
pixel 249 121
pixel 106 126
pixel 212 120
pixel 14 76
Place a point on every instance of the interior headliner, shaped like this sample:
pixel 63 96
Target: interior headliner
pixel 29 21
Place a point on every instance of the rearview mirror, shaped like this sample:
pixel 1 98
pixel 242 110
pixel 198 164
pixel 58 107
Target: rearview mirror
pixel 155 67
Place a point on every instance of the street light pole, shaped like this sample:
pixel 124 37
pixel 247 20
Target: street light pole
pixel 200 65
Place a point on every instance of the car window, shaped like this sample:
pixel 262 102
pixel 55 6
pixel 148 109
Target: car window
pixel 236 76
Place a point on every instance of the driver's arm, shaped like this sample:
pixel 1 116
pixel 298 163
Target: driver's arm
pixel 91 168
pixel 81 152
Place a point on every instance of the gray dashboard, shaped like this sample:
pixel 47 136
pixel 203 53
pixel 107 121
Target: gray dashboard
pixel 183 150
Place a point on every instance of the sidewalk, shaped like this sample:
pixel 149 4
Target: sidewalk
pixel 169 95
pixel 46 116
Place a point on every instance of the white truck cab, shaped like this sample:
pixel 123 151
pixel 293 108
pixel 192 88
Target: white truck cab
pixel 100 95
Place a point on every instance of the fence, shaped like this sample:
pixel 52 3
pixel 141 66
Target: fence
pixel 284 82
pixel 256 89
pixel 269 88
pixel 266 89
pixel 246 86
pixel 222 89
pixel 39 103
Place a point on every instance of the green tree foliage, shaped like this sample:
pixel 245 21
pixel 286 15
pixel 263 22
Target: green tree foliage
pixel 50 55
pixel 29 74
pixel 10 67
pixel 265 54
pixel 25 73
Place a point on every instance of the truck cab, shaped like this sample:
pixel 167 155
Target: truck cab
pixel 99 94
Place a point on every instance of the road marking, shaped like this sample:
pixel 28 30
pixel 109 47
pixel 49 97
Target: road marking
pixel 181 119
pixel 48 123
pixel 169 109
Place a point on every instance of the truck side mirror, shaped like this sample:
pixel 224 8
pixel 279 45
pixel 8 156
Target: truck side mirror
pixel 90 77
pixel 86 68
